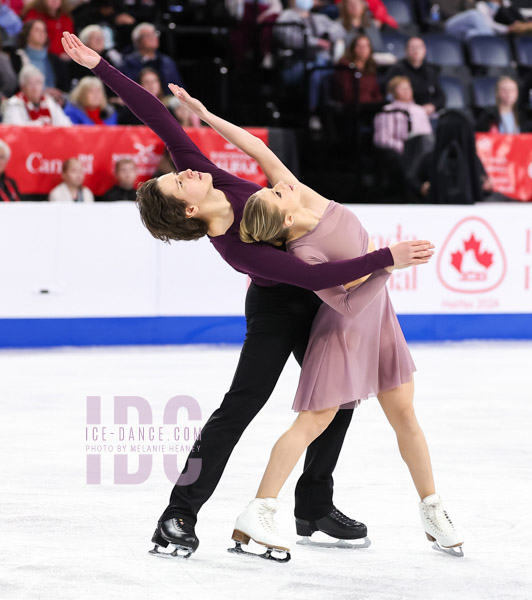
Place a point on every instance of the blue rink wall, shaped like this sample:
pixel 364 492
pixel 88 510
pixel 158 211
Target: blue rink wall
pixel 82 275
pixel 28 333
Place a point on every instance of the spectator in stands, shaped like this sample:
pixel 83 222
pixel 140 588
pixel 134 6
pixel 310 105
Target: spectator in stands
pixel 360 86
pixel 392 125
pixel 10 22
pixel 88 104
pixel 150 80
pixel 126 176
pixel 113 16
pixel 506 116
pixel 496 17
pixel 17 6
pixel 33 49
pixel 380 14
pixel 93 36
pixel 423 78
pixel 146 41
pixel 449 8
pixel 31 106
pixel 452 173
pixel 56 16
pixel 72 188
pixel 8 186
pixel 356 20
pixel 8 77
pixel 323 34
pixel 248 15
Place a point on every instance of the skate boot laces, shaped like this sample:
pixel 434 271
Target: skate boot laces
pixel 341 518
pixel 439 518
pixel 266 516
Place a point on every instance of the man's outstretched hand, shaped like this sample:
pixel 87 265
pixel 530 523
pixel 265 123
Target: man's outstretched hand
pixel 78 52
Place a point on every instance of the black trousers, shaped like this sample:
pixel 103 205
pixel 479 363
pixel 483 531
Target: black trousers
pixel 278 319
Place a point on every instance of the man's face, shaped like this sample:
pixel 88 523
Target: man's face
pixel 416 50
pixel 149 39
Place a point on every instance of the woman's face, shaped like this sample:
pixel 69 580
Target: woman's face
pixel 507 93
pixel 287 197
pixel 38 35
pixel 151 82
pixel 363 49
pixel 53 5
pixel 97 41
pixel 94 97
pixel 403 92
pixel 356 8
pixel 33 89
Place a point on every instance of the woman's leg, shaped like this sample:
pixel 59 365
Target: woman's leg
pixel 398 406
pixel 290 446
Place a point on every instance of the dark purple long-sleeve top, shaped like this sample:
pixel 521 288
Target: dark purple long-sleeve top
pixel 265 264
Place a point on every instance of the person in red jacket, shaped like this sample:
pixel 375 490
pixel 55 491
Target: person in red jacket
pixel 56 15
pixel 379 13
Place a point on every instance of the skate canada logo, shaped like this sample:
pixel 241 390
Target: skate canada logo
pixel 472 259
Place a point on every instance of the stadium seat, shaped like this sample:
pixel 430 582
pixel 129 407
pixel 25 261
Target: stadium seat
pixel 401 11
pixel 455 93
pixel 484 91
pixel 444 50
pixel 395 43
pixel 523 51
pixel 490 52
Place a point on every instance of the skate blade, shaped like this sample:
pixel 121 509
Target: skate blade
pixel 270 554
pixel 349 544
pixel 454 551
pixel 178 552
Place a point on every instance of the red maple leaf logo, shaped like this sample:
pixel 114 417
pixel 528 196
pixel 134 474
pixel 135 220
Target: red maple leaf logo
pixel 483 258
pixel 456 260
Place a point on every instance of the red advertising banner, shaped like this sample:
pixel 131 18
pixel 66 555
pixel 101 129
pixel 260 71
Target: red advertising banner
pixel 508 162
pixel 37 154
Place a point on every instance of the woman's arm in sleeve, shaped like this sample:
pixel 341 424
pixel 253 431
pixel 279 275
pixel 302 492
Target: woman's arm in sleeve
pixel 270 263
pixel 353 301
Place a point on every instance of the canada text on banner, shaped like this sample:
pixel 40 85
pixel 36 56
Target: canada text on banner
pixel 38 153
pixel 508 163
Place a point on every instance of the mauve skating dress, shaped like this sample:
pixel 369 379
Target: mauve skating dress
pixel 356 347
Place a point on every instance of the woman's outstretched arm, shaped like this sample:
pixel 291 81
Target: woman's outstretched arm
pixel 149 109
pixel 273 167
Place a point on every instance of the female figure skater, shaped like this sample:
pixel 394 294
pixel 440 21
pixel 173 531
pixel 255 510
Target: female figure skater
pixel 206 200
pixel 355 350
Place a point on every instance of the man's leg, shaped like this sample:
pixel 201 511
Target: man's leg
pixel 275 321
pixel 314 489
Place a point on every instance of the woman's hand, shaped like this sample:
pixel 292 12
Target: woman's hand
pixel 408 254
pixel 78 52
pixel 193 105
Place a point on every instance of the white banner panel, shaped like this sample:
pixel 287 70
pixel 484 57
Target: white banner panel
pixel 99 261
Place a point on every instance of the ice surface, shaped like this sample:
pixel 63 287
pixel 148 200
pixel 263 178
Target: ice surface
pixel 61 538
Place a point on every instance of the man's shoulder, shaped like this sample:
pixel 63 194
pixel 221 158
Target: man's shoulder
pixel 132 58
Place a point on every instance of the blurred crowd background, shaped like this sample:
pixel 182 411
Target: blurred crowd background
pixel 383 96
